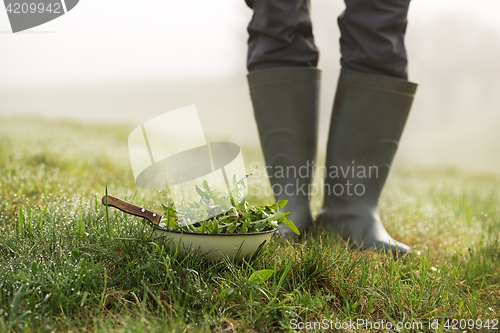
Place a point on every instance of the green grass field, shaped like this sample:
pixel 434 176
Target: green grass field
pixel 65 266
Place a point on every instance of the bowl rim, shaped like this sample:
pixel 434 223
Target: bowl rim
pixel 204 234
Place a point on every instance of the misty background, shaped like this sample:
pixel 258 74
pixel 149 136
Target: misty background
pixel 126 62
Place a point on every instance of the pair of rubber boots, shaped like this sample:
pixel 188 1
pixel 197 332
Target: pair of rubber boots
pixel 368 117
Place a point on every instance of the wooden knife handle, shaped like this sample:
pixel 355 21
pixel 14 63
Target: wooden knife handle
pixel 129 208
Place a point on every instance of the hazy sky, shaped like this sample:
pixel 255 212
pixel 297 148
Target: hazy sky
pixel 124 39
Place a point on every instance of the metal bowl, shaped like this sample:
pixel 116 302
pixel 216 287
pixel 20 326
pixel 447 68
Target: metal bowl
pixel 216 246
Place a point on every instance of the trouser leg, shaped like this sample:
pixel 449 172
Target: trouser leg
pixel 280 35
pixel 372 37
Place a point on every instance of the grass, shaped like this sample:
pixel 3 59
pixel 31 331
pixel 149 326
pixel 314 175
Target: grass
pixel 66 266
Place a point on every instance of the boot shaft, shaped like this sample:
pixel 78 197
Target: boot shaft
pixel 286 102
pixel 368 118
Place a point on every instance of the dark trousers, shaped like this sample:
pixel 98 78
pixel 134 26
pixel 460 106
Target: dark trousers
pixel 372 36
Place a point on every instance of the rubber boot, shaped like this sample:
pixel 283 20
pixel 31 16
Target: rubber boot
pixel 368 117
pixel 285 102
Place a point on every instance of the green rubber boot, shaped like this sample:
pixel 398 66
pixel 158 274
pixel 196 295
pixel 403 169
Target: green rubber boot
pixel 368 117
pixel 285 102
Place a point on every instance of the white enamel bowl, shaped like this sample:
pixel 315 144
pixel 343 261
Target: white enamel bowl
pixel 216 246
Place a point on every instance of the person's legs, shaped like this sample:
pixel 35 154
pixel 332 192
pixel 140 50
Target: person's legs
pixel 284 87
pixel 371 106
